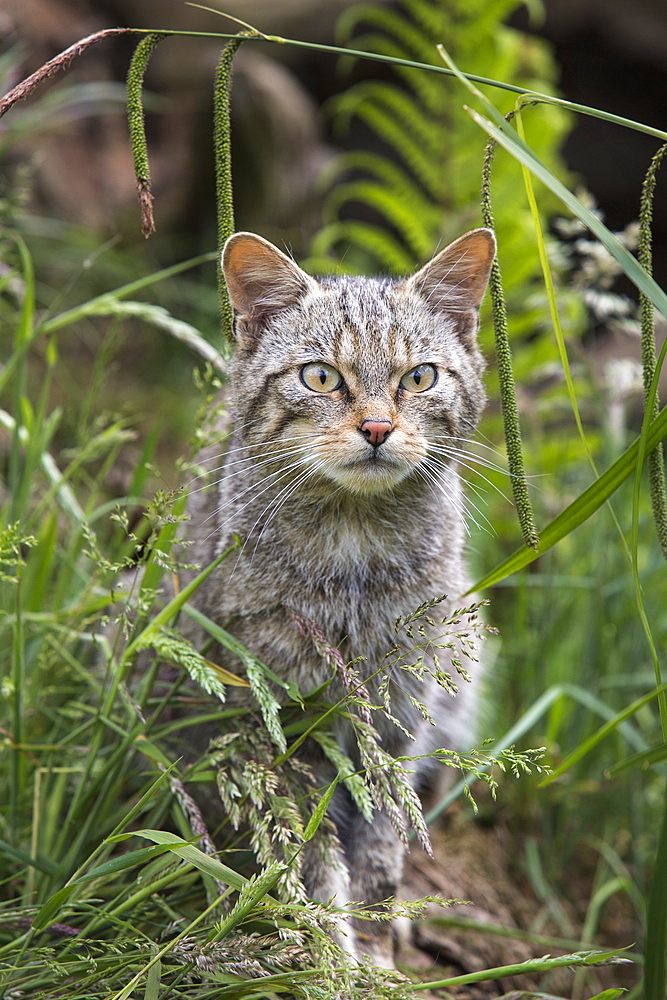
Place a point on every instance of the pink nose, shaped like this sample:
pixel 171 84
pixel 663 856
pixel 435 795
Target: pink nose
pixel 376 432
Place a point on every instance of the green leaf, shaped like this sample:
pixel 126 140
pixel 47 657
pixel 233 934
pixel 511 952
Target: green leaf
pixel 41 863
pixel 126 861
pixel 601 733
pixel 318 815
pixel 153 979
pixel 188 852
pixel 150 750
pixel 122 292
pixel 389 253
pixel 641 761
pixel 506 136
pixel 397 212
pixel 390 22
pixel 580 509
pixel 24 330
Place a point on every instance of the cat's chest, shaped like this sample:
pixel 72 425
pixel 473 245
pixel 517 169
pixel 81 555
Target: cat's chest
pixel 348 572
pixel 353 579
pixel 337 558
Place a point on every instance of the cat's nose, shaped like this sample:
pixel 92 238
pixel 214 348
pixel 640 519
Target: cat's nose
pixel 376 432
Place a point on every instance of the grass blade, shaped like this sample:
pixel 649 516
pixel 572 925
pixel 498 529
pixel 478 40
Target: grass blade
pixel 603 731
pixel 531 967
pixel 122 292
pixel 642 760
pixel 580 509
pixel 508 138
pixel 188 852
pixel 655 955
pixel 322 806
pixel 113 867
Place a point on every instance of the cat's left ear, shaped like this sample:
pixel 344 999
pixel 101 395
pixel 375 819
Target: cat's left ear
pixel 455 280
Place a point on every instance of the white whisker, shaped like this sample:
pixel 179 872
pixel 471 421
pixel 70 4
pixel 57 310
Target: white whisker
pixel 455 502
pixel 441 442
pixel 438 472
pixel 249 463
pixel 279 501
pixel 280 473
pixel 245 448
pixel 471 468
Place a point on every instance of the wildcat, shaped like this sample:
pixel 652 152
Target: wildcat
pixel 350 401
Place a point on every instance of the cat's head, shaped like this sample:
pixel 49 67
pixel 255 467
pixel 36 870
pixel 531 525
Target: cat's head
pixel 362 381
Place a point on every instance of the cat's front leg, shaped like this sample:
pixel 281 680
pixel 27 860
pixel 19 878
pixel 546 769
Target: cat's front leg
pixel 375 858
pixel 325 876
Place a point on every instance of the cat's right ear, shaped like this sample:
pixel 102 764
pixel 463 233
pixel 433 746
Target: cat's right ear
pixel 261 279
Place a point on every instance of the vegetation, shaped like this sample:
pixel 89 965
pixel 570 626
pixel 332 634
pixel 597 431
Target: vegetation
pixel 113 884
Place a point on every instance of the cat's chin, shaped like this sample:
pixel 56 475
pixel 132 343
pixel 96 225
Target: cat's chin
pixel 369 477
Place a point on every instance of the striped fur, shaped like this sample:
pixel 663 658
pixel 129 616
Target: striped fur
pixel 348 534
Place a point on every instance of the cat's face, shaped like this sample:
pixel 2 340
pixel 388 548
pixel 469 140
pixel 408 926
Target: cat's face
pixel 353 380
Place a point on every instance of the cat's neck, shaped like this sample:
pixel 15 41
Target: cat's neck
pixel 322 522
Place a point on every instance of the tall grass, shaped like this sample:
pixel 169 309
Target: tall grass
pixel 90 761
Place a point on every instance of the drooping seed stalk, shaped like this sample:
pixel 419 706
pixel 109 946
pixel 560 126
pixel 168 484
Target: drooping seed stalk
pixel 56 65
pixel 223 170
pixel 135 121
pixel 509 408
pixel 656 461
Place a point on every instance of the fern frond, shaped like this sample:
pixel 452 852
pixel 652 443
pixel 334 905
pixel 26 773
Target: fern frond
pixel 351 18
pixel 318 264
pixel 387 251
pixel 427 87
pixel 416 43
pixel 419 125
pixel 381 169
pixel 488 14
pixel 395 212
pixel 387 128
pixel 431 91
pixel 431 16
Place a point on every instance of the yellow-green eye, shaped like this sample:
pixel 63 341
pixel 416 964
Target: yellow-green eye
pixel 320 377
pixel 420 379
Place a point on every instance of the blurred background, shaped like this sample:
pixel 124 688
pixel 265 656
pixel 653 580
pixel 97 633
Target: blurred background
pixel 610 56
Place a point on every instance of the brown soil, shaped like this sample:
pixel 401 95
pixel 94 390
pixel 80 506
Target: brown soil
pixel 479 865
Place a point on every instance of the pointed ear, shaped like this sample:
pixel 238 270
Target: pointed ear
pixel 456 279
pixel 260 278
